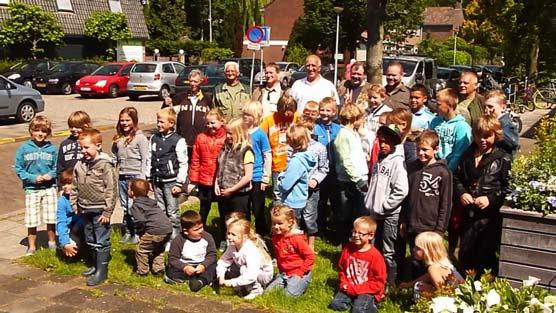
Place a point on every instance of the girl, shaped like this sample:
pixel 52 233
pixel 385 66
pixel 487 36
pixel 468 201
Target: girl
pixel 402 118
pixel 294 256
pixel 235 170
pixel 243 266
pixel 130 147
pixel 480 185
pixel 204 158
pixel 429 247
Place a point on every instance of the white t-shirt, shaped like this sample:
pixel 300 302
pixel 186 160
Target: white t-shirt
pixel 303 91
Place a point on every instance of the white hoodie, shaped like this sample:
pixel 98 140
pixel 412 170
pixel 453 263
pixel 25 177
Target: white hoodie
pixel 253 266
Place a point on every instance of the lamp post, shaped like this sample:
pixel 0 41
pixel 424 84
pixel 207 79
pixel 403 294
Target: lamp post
pixel 338 11
pixel 210 20
pixel 455 46
pixel 156 54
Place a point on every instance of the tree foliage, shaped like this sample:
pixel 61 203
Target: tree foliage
pixel 166 19
pixel 443 51
pixel 296 53
pixel 107 26
pixel 30 24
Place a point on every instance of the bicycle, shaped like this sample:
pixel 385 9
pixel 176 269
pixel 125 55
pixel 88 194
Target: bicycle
pixel 546 97
pixel 520 95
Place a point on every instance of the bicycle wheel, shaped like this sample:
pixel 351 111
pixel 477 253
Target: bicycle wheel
pixel 528 103
pixel 544 98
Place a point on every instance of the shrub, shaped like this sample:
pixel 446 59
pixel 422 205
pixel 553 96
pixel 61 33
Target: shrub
pixel 213 54
pixel 296 53
pixel 172 47
pixel 5 64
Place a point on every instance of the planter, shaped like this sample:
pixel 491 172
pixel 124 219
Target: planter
pixel 528 247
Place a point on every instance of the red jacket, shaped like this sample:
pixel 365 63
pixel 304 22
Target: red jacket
pixel 362 272
pixel 293 254
pixel 204 160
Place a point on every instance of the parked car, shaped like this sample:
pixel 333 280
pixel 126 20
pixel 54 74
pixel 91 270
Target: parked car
pixel 153 78
pixel 214 75
pixel 417 69
pixel 327 71
pixel 285 76
pixel 110 79
pixel 62 77
pixel 23 72
pixel 19 101
pixel 245 65
pixel 447 78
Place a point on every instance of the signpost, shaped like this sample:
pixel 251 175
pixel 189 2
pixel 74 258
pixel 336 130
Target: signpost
pixel 254 34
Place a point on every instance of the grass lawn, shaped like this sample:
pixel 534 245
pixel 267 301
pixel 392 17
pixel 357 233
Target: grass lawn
pixel 316 299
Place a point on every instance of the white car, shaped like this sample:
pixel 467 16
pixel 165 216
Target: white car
pixel 285 76
pixel 153 78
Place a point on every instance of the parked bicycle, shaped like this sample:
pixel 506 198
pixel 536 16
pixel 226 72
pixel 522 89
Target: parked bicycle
pixel 546 97
pixel 520 95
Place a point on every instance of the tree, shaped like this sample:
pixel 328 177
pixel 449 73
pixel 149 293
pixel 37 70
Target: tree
pixel 166 19
pixel 30 24
pixel 109 27
pixel 375 35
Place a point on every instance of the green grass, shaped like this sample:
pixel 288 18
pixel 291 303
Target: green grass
pixel 316 299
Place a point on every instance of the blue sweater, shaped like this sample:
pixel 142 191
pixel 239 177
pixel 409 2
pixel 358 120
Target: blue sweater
pixel 66 219
pixel 455 138
pixel 260 145
pixel 32 161
pixel 293 182
pixel 326 135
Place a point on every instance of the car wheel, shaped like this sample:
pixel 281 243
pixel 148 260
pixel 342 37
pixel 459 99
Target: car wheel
pixel 25 112
pixel 66 89
pixel 27 83
pixel 113 91
pixel 133 97
pixel 164 92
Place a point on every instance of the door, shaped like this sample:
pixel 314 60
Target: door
pixel 7 102
pixel 168 74
pixel 124 77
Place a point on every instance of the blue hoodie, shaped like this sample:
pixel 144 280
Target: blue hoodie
pixel 455 138
pixel 66 219
pixel 326 135
pixel 293 182
pixel 32 161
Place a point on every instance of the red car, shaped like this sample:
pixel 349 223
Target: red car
pixel 109 79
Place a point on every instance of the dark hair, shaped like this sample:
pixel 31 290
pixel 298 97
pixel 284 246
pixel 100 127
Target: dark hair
pixel 359 64
pixel 140 187
pixel 420 88
pixel 396 63
pixel 274 65
pixel 286 103
pixel 189 219
pixel 66 176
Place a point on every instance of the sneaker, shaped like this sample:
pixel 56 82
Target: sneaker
pixel 223 246
pixel 196 285
pixel 29 252
pixel 125 238
pixel 255 292
pixel 171 281
pixel 52 245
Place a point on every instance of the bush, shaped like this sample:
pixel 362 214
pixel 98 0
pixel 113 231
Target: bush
pixel 5 64
pixel 296 53
pixel 172 47
pixel 446 58
pixel 214 54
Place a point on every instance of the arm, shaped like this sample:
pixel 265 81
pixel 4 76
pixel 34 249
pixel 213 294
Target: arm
pixel 181 152
pixel 148 161
pixel 343 152
pixel 267 168
pixel 288 178
pixel 62 222
pixel 253 262
pixel 195 163
pixel 399 187
pixel 308 256
pixel 445 205
pixel 74 189
pixel 322 165
pixel 225 261
pixel 60 159
pixel 52 173
pixel 246 179
pixel 210 257
pixel 495 198
pixel 138 218
pixel 145 155
pixel 342 270
pixel 26 177
pixel 174 255
pixel 461 143
pixel 111 189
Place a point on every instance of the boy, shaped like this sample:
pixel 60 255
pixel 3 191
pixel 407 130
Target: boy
pixel 153 227
pixel 94 192
pixel 351 166
pixel 377 106
pixel 275 127
pixel 495 105
pixel 68 224
pixel 70 152
pixel 388 187
pixel 421 114
pixel 167 166
pixel 311 111
pixel 361 271
pixel 35 165
pixel 452 129
pixel 192 256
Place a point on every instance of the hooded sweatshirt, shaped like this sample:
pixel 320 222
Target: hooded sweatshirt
pixel 293 182
pixel 429 201
pixel 94 186
pixel 388 185
pixel 32 161
pixel 455 138
pixel 149 218
pixel 132 157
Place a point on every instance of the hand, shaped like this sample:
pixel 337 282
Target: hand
pixel 225 193
pixel 176 190
pixel 347 96
pixel 217 190
pixel 263 186
pixel 313 183
pixel 200 269
pixel 46 177
pixel 70 250
pixel 39 179
pixel 482 202
pixel 103 219
pixel 190 188
pixel 221 280
pixel 466 199
pixel 189 270
pixel 228 283
pixel 402 230
pixel 151 186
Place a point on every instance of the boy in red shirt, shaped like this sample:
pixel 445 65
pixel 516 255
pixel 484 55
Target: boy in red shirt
pixel 361 270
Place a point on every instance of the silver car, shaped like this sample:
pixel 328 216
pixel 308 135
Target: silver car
pixel 19 101
pixel 153 78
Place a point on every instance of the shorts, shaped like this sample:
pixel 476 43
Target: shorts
pixel 37 200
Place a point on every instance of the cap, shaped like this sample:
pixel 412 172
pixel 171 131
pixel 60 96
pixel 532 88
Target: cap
pixel 391 131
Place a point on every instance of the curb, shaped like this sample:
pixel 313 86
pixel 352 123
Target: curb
pixel 60 133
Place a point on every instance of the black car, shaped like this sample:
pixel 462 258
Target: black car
pixel 326 71
pixel 23 72
pixel 245 65
pixel 448 77
pixel 62 77
pixel 214 75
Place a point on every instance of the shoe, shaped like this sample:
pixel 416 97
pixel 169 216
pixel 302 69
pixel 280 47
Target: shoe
pixel 223 246
pixel 255 292
pixel 101 274
pixel 133 240
pixel 136 274
pixel 52 245
pixel 158 274
pixel 91 270
pixel 171 281
pixel 196 285
pixel 29 252
pixel 125 238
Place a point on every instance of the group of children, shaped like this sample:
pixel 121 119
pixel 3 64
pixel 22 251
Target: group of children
pixel 391 177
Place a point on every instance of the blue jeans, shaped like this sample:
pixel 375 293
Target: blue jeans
pixel 364 303
pixel 385 241
pixel 294 286
pixel 97 235
pixel 352 206
pixel 126 202
pixel 168 204
pixel 307 217
pixel 276 196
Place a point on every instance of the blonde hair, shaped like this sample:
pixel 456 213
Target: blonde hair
pixel 42 123
pixel 399 116
pixel 79 119
pixel 429 137
pixel 433 247
pixel 240 136
pixel 498 95
pixel 328 101
pixel 449 95
pixel 298 137
pixel 378 89
pixel 487 125
pixel 284 210
pixel 218 113
pixel 168 113
pixel 254 108
pixel 245 227
pixel 367 221
pixel 312 105
pixel 350 113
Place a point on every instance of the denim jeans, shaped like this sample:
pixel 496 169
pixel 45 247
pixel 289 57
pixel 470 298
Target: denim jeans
pixel 168 204
pixel 385 241
pixel 307 217
pixel 364 303
pixel 126 202
pixel 294 286
pixel 97 235
pixel 352 206
pixel 276 196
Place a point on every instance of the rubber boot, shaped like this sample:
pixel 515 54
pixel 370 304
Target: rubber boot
pixel 103 257
pixel 91 270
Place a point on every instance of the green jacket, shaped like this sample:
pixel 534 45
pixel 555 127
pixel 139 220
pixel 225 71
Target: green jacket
pixel 228 101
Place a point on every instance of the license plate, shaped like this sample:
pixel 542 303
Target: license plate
pixel 41 85
pixel 139 88
pixel 85 89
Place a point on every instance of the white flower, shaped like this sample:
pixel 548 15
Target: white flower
pixel 477 285
pixel 444 305
pixel 492 298
pixel 531 281
pixel 466 308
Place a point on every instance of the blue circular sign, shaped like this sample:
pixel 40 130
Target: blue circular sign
pixel 254 34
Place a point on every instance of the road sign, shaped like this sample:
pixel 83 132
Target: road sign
pixel 265 42
pixel 254 34
pixel 254 46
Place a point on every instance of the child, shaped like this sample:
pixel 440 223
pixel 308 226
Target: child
pixel 452 129
pixel 376 106
pixel 94 192
pixel 205 160
pixel 130 148
pixel 351 166
pixel 326 131
pixel 251 115
pixel 429 247
pixel 153 227
pixel 35 165
pixel 361 271
pixel 293 183
pixel 421 114
pixel 167 166
pixel 295 258
pixel 70 152
pixel 388 187
pixel 275 127
pixel 495 105
pixel 402 119
pixel 480 185
pixel 311 111
pixel 192 256
pixel 254 269
pixel 69 226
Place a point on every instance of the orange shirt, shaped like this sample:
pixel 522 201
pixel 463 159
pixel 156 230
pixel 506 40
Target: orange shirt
pixel 275 127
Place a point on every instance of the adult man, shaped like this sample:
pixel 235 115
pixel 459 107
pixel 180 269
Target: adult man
pixel 470 104
pixel 354 90
pixel 398 93
pixel 231 95
pixel 269 94
pixel 314 87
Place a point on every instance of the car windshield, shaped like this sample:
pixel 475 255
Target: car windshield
pixel 107 70
pixel 62 67
pixel 282 66
pixel 144 68
pixel 408 66
pixel 215 70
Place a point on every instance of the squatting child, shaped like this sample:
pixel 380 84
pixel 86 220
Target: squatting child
pixel 69 225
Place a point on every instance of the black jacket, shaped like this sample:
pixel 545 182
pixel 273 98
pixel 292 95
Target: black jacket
pixel 68 154
pixel 191 119
pixel 429 202
pixel 149 218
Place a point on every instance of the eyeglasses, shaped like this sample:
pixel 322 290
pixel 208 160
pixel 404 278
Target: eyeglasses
pixel 356 233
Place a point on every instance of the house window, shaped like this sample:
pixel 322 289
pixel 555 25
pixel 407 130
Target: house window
pixel 115 6
pixel 64 5
pixel 4 2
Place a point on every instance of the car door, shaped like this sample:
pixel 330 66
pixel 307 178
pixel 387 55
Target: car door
pixel 168 74
pixel 178 69
pixel 8 104
pixel 124 77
